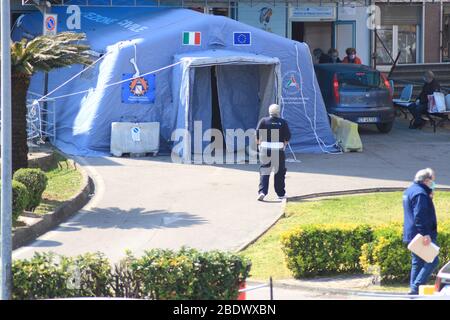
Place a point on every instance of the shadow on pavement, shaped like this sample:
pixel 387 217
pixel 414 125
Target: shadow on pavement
pixel 137 218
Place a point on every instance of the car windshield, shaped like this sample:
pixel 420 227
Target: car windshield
pixel 363 79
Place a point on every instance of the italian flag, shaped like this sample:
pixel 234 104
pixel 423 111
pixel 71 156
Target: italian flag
pixel 191 38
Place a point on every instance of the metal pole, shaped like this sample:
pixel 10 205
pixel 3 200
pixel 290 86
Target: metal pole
pixel 271 288
pixel 6 192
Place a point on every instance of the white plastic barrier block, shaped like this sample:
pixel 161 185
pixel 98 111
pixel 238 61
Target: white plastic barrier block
pixel 129 137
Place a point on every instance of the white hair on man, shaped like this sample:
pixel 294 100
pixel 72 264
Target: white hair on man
pixel 424 174
pixel 274 110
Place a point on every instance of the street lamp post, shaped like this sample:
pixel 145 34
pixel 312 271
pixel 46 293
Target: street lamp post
pixel 6 189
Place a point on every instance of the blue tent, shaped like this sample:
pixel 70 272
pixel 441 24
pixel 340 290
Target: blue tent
pixel 253 69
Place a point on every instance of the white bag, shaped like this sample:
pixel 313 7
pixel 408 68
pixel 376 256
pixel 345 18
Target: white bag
pixel 439 99
pixel 447 102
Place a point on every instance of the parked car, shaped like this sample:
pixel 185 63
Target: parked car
pixel 357 93
pixel 442 284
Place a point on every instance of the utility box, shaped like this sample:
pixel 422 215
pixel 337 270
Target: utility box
pixel 134 138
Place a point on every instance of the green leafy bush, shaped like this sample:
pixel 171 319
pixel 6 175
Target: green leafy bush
pixel 158 274
pixel 325 249
pixel 36 181
pixel 390 255
pixel 52 276
pixel 190 274
pixel 20 199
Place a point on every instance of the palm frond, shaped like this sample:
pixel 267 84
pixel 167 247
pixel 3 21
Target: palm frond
pixel 45 53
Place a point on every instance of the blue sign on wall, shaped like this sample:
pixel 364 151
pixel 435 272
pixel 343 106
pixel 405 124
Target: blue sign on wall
pixel 138 90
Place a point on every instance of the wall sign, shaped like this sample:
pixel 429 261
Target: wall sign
pixel 313 13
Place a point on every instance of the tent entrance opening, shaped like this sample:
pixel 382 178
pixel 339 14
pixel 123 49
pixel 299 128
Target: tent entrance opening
pixel 230 98
pixel 216 120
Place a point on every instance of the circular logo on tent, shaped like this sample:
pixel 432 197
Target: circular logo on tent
pixel 291 83
pixel 139 87
pixel 50 23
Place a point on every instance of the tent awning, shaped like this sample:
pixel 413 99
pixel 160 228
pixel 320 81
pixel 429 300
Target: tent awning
pixel 213 57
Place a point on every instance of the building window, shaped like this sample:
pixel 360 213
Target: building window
pixel 399 33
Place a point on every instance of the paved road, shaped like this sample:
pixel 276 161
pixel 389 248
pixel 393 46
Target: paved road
pixel 148 203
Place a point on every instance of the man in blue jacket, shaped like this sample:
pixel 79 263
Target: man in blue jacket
pixel 420 217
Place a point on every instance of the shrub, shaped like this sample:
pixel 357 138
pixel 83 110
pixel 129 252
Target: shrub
pixel 20 199
pixel 51 276
pixel 39 278
pixel 190 274
pixel 36 181
pixel 159 274
pixel 390 255
pixel 324 249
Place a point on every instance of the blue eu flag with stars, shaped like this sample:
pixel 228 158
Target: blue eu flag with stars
pixel 242 39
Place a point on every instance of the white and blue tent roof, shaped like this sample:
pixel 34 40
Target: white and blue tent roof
pixel 261 69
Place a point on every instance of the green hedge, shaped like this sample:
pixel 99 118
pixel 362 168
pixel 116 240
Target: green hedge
pixel 48 276
pixel 158 274
pixel 190 274
pixel 325 249
pixel 322 250
pixel 20 199
pixel 36 181
pixel 390 256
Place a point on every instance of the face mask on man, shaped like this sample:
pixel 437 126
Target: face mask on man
pixel 432 185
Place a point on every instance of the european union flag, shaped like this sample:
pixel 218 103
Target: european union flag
pixel 242 38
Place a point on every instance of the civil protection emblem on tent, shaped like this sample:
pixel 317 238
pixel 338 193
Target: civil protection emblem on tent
pixel 192 38
pixel 242 38
pixel 291 83
pixel 138 90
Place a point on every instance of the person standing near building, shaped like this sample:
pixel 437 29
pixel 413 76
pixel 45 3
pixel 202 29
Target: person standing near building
pixel 334 56
pixel 272 136
pixel 351 56
pixel 320 56
pixel 420 217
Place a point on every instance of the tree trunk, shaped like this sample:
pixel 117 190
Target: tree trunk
pixel 20 84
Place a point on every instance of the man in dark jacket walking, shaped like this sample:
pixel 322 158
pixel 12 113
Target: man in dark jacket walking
pixel 272 136
pixel 420 217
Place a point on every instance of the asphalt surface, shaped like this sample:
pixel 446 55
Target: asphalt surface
pixel 145 203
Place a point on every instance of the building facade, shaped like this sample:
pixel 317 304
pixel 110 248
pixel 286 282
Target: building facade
pixel 379 30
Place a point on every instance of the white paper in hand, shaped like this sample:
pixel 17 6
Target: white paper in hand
pixel 427 253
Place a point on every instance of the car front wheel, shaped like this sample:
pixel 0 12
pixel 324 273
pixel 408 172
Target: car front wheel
pixel 385 127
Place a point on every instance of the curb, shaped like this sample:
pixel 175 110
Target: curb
pixel 25 235
pixel 278 217
pixel 347 292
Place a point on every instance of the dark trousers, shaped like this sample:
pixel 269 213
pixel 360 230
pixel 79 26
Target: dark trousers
pixel 421 272
pixel 278 165
pixel 417 111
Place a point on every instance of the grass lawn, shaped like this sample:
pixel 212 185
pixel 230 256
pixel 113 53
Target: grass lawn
pixel 374 209
pixel 64 182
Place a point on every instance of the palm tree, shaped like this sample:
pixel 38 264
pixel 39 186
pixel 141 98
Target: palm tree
pixel 43 53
